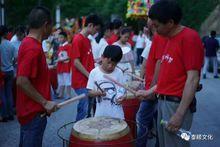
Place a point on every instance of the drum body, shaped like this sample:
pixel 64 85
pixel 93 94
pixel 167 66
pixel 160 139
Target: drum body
pixel 101 132
pixel 130 107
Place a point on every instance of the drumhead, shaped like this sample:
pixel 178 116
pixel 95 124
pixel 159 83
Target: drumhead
pixel 100 129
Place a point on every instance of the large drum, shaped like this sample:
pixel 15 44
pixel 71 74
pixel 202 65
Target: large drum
pixel 101 131
pixel 130 107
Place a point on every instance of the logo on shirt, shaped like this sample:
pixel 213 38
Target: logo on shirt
pixel 167 58
pixel 110 90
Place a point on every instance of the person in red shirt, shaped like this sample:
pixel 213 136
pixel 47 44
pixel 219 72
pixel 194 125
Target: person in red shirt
pixel 33 83
pixel 179 74
pixel 148 104
pixel 83 62
pixel 117 24
pixel 63 66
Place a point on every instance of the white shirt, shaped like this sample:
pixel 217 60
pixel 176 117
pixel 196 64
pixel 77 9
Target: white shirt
pixel 108 105
pixel 146 50
pixel 102 45
pixel 140 41
pixel 95 47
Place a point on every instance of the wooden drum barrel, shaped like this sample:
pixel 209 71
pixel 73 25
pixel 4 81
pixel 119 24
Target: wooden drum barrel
pixel 101 131
pixel 130 107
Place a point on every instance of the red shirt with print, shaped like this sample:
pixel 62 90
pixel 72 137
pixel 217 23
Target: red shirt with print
pixel 112 39
pixel 64 67
pixel 81 49
pixel 32 64
pixel 156 51
pixel 182 53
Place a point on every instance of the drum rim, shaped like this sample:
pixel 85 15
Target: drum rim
pixel 107 137
pixel 67 141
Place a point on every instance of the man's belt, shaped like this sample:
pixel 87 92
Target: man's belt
pixel 169 98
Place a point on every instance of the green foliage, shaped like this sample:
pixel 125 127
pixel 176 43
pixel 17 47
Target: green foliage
pixel 103 7
pixel 196 11
pixel 16 11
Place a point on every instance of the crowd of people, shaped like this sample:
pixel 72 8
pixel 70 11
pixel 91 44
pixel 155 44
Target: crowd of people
pixel 169 56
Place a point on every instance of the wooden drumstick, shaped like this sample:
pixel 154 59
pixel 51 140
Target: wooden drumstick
pixel 99 98
pixel 119 84
pixel 96 83
pixel 135 76
pixel 73 99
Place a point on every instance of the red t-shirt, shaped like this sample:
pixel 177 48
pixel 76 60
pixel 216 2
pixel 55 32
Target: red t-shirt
pixel 156 51
pixel 64 67
pixel 32 64
pixel 182 53
pixel 81 49
pixel 112 39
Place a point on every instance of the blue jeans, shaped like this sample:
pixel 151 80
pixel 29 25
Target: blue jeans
pixel 7 97
pixel 31 134
pixel 144 119
pixel 82 107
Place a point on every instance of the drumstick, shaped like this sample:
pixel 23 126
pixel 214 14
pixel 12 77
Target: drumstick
pixel 135 76
pixel 81 96
pixel 119 84
pixel 99 98
pixel 99 87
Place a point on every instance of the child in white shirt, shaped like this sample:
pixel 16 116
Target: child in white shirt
pixel 109 99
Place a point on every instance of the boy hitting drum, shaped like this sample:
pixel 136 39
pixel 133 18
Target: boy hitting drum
pixel 108 95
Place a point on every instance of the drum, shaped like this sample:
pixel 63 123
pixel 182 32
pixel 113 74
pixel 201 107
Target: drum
pixel 130 107
pixel 101 131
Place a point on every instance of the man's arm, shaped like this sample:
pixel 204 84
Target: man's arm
pixel 143 94
pixel 188 95
pixel 156 73
pixel 25 84
pixel 80 67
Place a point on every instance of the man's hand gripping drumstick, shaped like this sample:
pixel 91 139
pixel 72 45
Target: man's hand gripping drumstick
pixel 145 94
pixel 52 106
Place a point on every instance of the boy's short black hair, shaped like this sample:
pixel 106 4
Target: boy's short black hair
pixel 113 52
pixel 38 16
pixel 94 19
pixel 166 10
pixel 63 34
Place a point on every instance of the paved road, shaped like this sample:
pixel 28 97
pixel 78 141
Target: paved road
pixel 206 120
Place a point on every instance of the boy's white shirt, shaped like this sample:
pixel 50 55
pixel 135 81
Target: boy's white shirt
pixel 107 106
